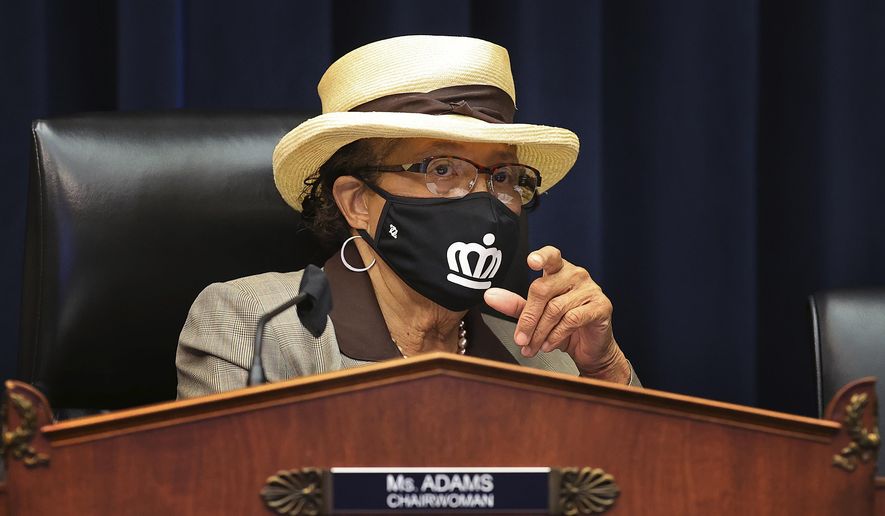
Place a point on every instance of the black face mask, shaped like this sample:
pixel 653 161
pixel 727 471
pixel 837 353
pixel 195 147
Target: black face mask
pixel 448 250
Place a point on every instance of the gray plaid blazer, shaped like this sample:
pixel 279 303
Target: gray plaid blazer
pixel 216 344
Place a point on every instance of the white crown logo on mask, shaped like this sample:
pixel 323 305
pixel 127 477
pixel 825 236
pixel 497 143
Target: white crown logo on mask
pixel 488 261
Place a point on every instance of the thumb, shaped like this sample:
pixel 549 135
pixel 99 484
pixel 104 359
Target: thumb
pixel 504 301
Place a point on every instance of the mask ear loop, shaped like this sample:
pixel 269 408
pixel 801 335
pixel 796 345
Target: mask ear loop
pixel 349 266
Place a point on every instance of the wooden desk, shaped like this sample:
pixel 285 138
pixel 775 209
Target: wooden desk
pixel 4 500
pixel 880 496
pixel 668 453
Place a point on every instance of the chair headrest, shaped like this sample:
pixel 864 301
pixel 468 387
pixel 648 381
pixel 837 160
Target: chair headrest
pixel 129 217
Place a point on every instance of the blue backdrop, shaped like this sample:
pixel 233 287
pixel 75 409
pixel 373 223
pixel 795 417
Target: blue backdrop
pixel 732 158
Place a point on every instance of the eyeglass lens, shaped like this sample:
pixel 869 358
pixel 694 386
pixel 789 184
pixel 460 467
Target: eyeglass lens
pixel 453 178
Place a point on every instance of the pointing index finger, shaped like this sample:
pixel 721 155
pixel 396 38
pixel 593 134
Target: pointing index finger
pixel 547 258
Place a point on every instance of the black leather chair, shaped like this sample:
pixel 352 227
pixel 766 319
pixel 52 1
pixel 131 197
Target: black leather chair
pixel 849 341
pixel 129 217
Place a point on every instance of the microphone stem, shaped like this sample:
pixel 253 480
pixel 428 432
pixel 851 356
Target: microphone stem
pixel 256 372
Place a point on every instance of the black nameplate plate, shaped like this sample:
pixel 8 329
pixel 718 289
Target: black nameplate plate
pixel 439 490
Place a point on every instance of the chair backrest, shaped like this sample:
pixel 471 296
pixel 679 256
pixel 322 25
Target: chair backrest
pixel 129 217
pixel 849 341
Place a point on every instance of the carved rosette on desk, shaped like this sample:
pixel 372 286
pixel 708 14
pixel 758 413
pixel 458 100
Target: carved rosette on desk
pixel 566 491
pixel 295 492
pixel 586 491
pixel 22 412
pixel 855 406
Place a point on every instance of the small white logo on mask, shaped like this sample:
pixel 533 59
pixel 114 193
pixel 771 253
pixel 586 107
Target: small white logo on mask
pixel 467 271
pixel 393 231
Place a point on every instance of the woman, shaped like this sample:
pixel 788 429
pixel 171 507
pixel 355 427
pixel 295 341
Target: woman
pixel 417 172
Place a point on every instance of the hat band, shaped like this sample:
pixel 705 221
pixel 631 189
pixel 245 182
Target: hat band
pixel 486 103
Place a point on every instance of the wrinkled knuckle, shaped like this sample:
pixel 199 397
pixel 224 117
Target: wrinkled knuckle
pixel 606 306
pixel 528 320
pixel 580 275
pixel 539 289
pixel 556 307
pixel 573 318
pixel 558 337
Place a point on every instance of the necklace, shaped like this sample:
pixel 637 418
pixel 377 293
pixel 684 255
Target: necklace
pixel 462 341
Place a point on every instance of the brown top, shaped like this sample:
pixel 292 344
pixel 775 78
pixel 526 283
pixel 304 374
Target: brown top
pixel 360 328
pixel 215 348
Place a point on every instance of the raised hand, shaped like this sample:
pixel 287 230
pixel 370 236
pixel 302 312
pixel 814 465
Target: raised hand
pixel 565 310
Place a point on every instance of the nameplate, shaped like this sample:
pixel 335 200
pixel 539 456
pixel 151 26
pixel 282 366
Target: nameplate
pixel 428 490
pixel 449 490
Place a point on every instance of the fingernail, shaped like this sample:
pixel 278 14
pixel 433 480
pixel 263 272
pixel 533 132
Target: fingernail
pixel 536 258
pixel 526 351
pixel 546 346
pixel 521 339
pixel 492 293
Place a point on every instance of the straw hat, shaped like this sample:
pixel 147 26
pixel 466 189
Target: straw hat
pixel 442 87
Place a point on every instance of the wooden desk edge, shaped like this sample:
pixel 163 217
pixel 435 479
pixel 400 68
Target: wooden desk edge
pixel 433 364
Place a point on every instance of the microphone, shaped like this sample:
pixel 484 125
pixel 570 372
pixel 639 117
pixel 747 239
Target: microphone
pixel 314 302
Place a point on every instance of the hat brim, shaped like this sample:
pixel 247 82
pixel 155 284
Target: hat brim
pixel 302 151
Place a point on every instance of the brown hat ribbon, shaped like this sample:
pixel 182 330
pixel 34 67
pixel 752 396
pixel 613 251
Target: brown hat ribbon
pixel 486 103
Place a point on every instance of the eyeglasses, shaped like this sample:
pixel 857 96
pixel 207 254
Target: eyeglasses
pixel 453 177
